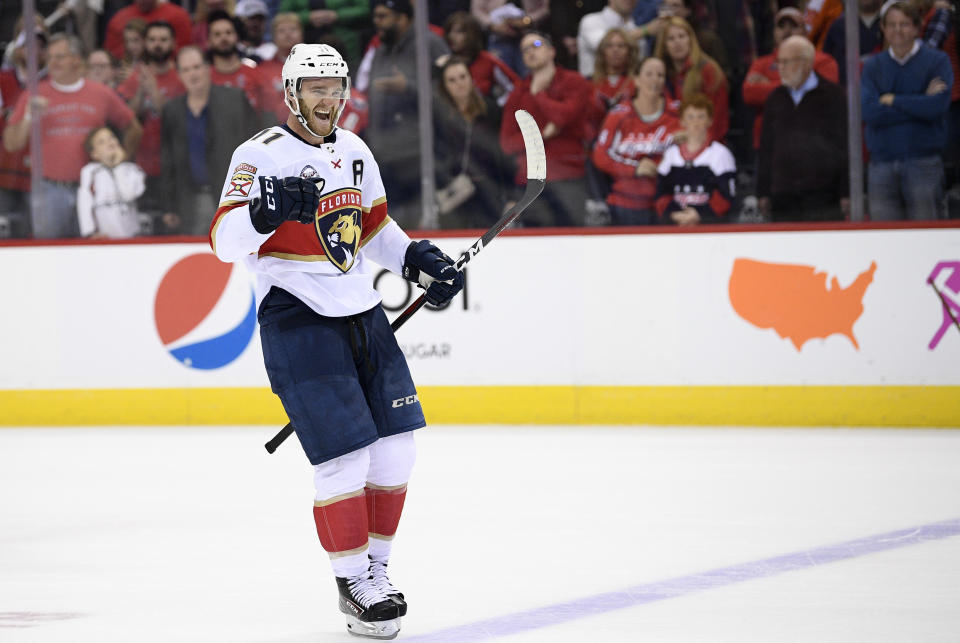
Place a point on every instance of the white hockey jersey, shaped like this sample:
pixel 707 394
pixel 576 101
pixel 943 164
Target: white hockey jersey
pixel 107 200
pixel 326 264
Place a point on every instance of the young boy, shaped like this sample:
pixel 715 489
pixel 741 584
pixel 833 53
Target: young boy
pixel 109 187
pixel 696 180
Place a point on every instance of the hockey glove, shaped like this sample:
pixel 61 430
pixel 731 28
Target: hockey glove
pixel 283 199
pixel 426 265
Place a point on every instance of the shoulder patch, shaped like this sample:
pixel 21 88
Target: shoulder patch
pixel 241 181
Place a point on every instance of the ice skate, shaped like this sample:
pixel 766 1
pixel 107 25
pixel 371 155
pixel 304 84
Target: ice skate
pixel 370 613
pixel 378 572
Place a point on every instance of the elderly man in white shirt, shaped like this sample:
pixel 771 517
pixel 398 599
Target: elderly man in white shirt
pixel 594 26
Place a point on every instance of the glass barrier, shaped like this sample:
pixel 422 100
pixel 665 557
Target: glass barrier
pixel 125 124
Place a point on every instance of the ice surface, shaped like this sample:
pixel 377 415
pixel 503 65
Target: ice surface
pixel 196 534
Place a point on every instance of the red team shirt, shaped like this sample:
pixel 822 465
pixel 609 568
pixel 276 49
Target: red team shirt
pixel 625 139
pixel 177 16
pixel 607 94
pixel 487 70
pixel 249 79
pixel 14 171
pixel 719 95
pixel 148 154
pixel 68 119
pixel 562 104
pixel 271 79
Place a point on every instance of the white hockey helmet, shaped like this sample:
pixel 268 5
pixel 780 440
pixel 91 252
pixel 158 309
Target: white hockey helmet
pixel 312 61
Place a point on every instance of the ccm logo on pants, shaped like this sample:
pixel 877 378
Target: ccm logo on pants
pixel 410 399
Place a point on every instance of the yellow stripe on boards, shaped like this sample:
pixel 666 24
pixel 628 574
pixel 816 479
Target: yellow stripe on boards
pixel 141 407
pixel 933 406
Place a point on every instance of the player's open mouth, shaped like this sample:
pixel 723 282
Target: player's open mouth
pixel 323 117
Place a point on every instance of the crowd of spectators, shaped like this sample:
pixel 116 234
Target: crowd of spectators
pixel 671 112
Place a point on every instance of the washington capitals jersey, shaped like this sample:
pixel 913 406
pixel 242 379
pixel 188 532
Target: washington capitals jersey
pixel 326 263
pixel 626 139
pixel 705 182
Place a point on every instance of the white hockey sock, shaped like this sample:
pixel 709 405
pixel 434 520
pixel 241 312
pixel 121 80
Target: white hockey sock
pixel 351 565
pixel 379 549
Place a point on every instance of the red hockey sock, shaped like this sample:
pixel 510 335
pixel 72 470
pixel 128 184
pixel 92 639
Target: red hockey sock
pixel 384 506
pixel 342 522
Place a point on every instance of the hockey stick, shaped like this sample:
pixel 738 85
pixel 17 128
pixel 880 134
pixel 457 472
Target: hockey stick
pixel 536 180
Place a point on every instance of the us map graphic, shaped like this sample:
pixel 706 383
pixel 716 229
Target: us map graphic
pixel 796 301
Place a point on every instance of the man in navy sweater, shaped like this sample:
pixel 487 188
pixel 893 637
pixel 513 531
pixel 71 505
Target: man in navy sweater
pixel 905 98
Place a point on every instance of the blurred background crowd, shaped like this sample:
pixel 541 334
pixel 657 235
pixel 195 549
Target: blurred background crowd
pixel 670 112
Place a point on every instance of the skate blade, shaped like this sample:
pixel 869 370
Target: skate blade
pixel 384 630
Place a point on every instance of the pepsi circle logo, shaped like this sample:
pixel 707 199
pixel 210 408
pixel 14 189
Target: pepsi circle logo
pixel 205 311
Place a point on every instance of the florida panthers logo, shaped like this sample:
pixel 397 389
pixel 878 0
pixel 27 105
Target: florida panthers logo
pixel 339 226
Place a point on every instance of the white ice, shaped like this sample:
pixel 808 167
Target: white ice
pixel 186 534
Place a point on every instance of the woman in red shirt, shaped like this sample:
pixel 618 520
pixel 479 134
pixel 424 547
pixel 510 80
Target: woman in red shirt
pixel 617 58
pixel 690 71
pixel 491 76
pixel 631 142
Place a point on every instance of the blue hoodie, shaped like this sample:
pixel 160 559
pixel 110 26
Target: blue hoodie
pixel 915 125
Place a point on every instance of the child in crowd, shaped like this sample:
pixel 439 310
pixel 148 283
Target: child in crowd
pixel 109 187
pixel 696 180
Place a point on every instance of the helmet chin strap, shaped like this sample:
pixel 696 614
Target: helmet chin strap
pixel 303 121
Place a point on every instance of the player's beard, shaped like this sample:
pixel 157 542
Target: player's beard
pixel 320 127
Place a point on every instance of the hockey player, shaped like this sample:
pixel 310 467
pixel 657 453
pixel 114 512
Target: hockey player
pixel 304 207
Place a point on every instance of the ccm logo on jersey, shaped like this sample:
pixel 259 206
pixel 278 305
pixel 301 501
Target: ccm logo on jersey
pixel 403 401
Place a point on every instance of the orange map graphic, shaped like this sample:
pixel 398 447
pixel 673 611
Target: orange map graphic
pixel 795 301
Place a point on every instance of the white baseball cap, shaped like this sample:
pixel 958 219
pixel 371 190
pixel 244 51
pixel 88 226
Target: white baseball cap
pixel 250 8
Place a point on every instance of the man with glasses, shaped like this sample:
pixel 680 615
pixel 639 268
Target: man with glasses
pixel 764 76
pixel 558 99
pixel 802 163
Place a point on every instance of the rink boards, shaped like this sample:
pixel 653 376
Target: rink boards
pixel 746 327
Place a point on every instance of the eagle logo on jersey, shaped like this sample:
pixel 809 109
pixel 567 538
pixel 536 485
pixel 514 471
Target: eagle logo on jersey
pixel 339 225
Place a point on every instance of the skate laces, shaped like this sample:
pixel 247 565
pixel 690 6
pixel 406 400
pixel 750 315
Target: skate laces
pixel 365 591
pixel 378 574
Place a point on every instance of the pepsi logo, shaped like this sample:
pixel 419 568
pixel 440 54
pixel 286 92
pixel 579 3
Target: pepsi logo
pixel 205 311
